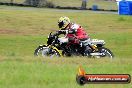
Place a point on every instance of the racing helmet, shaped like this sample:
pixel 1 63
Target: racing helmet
pixel 63 22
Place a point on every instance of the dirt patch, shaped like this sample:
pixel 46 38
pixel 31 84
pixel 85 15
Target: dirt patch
pixel 21 32
pixel 5 31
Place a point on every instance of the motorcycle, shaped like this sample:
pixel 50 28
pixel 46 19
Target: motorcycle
pixel 60 46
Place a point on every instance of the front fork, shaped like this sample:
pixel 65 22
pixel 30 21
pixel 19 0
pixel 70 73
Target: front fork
pixel 52 47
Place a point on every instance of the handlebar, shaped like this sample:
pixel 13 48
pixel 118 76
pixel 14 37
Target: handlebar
pixel 59 32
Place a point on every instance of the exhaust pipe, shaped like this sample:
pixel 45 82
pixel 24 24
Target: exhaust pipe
pixel 97 54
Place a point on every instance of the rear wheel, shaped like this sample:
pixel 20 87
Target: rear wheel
pixel 106 52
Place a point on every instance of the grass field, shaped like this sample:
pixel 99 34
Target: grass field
pixel 22 29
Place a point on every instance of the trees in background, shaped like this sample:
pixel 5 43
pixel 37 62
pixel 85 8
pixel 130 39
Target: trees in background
pixel 84 4
pixel 39 3
pixel 12 1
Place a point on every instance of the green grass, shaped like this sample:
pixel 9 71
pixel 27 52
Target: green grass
pixel 23 29
pixel 46 72
pixel 15 1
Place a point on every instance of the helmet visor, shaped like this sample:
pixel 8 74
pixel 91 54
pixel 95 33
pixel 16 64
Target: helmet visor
pixel 60 24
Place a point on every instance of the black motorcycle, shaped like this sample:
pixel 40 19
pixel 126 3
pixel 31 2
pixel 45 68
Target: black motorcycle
pixel 60 46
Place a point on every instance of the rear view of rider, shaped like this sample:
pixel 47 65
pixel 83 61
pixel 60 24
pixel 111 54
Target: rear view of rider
pixel 74 32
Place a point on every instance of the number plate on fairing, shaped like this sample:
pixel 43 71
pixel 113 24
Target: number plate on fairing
pixel 96 41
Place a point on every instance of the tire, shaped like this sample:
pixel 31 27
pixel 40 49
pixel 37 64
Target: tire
pixel 39 50
pixel 107 52
pixel 45 51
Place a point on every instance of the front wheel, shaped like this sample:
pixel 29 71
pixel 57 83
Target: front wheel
pixel 42 49
pixel 46 51
pixel 106 52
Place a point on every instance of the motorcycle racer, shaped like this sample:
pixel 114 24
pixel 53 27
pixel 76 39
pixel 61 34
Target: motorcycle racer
pixel 74 32
pixel 75 43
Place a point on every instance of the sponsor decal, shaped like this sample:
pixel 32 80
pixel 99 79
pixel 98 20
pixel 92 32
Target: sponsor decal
pixel 83 78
